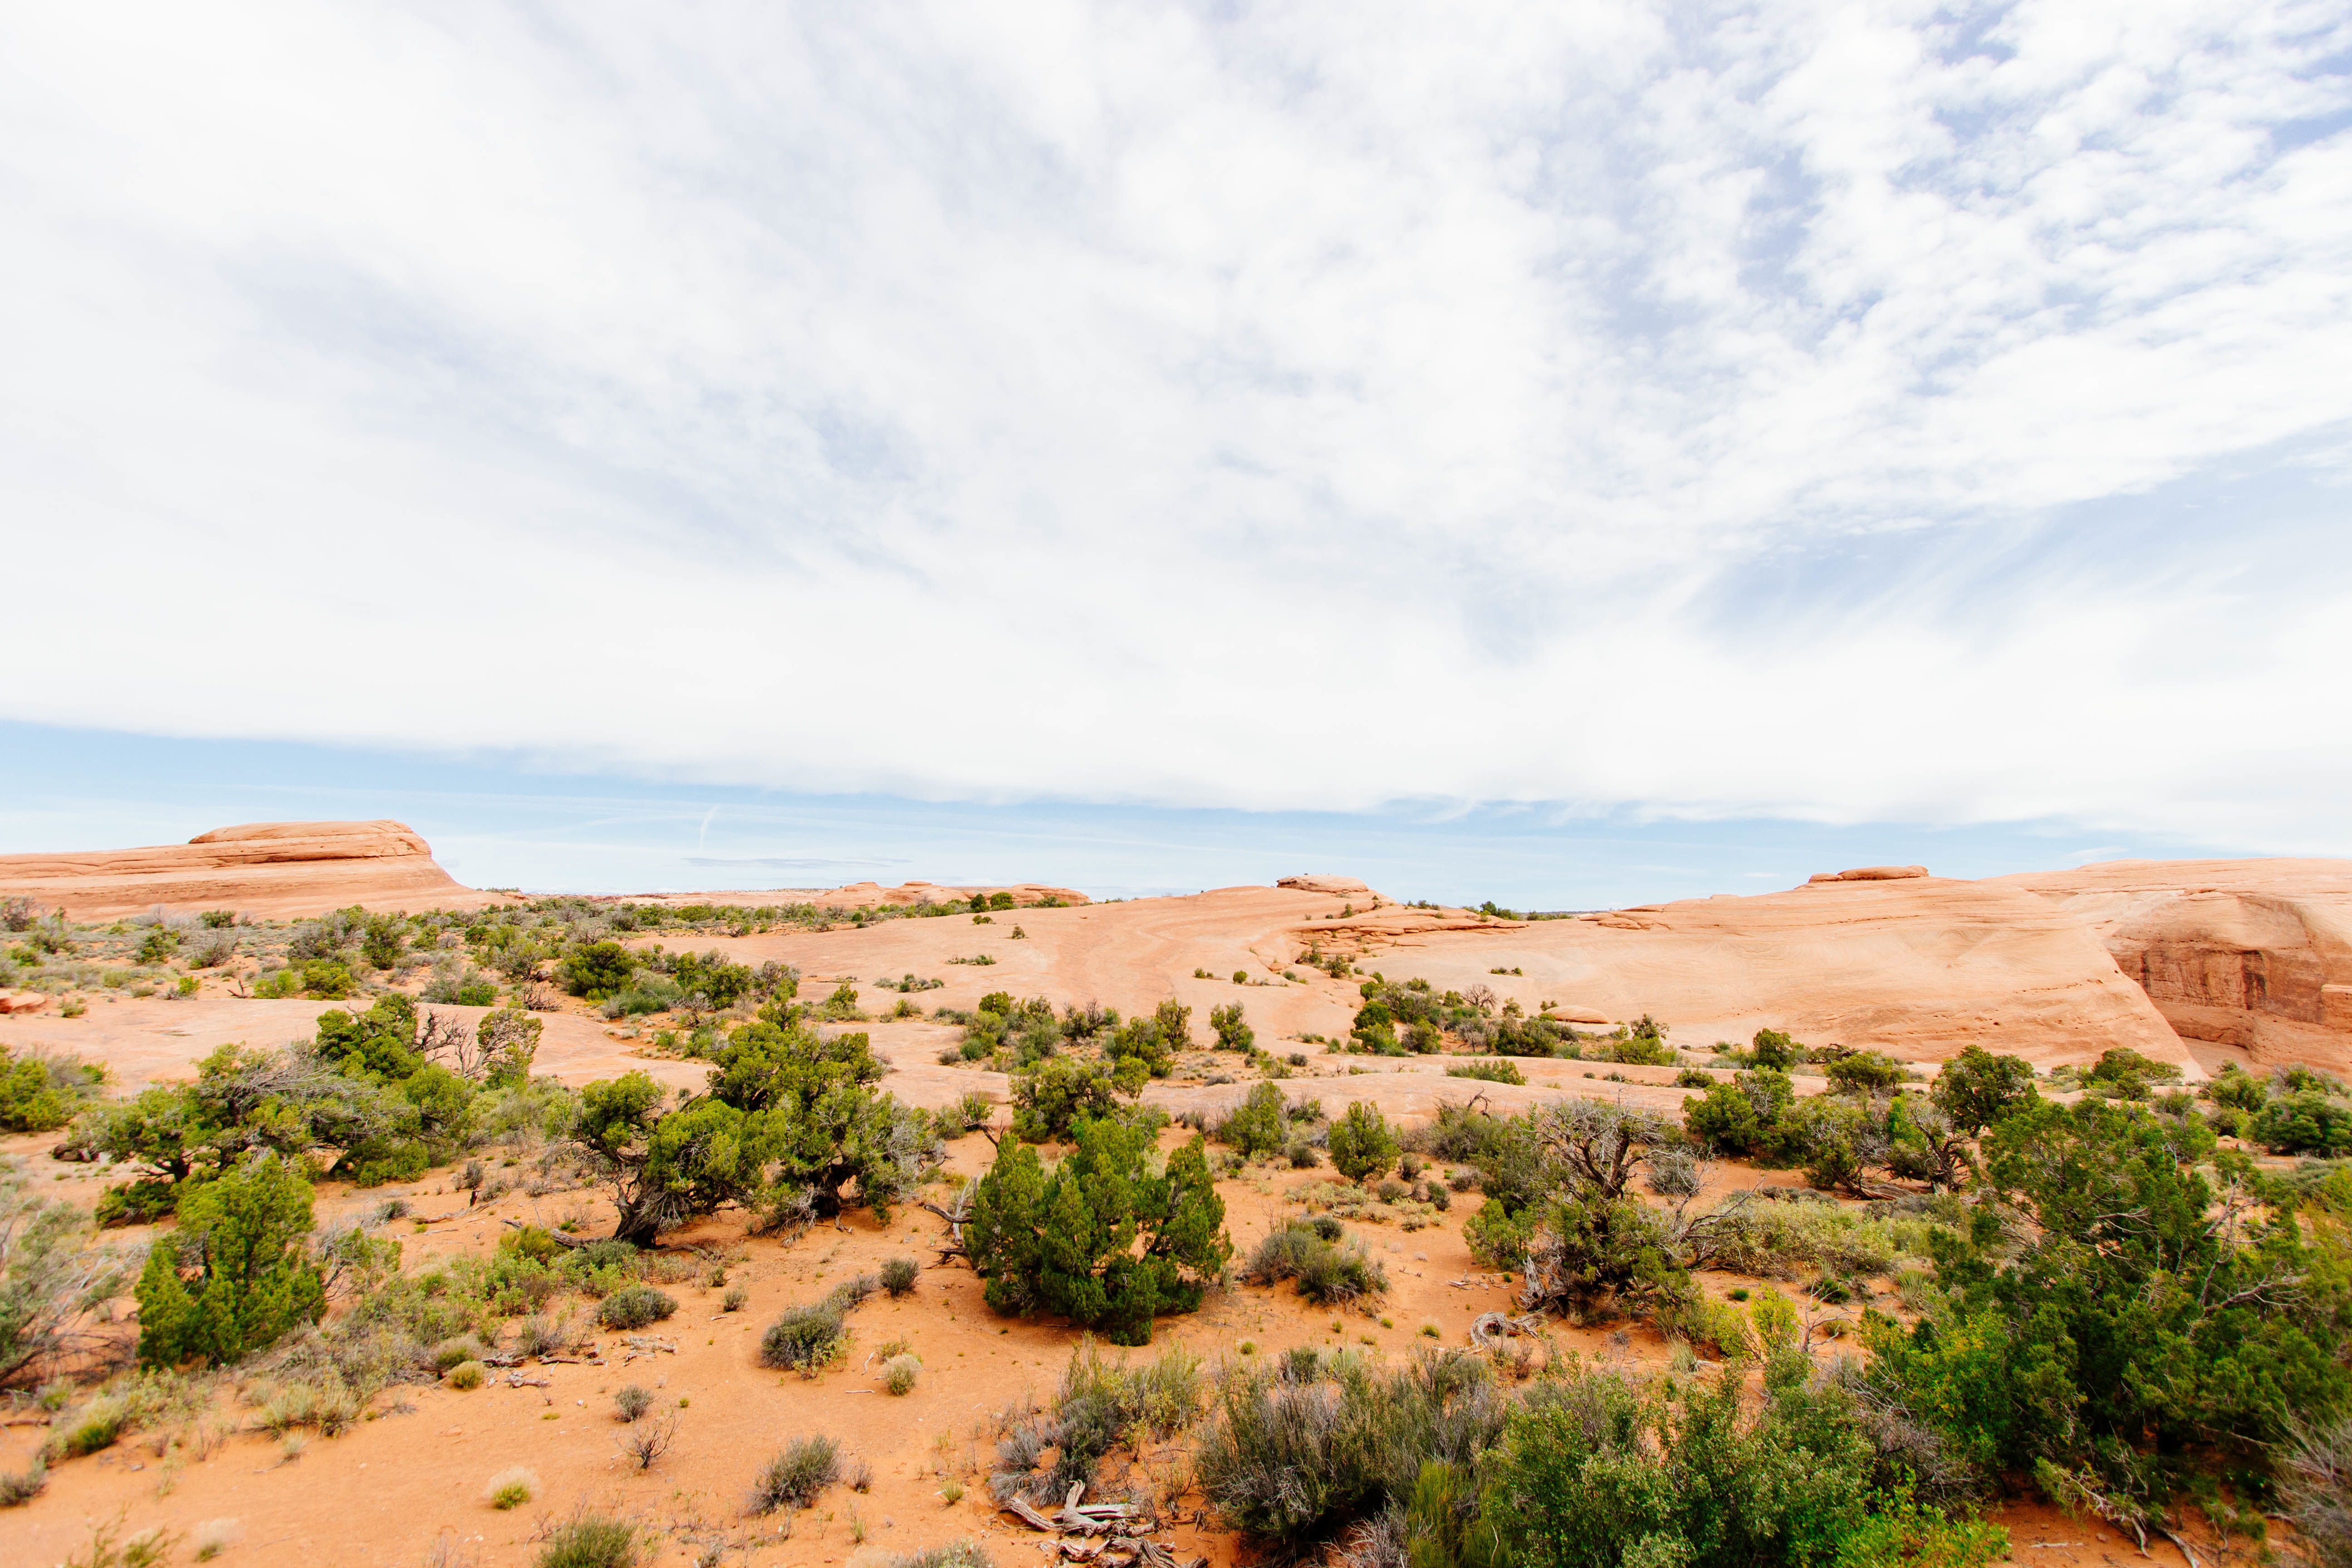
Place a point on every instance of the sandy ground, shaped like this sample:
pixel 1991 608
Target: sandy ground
pixel 387 1490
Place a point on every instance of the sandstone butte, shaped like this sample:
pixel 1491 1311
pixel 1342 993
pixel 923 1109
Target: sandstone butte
pixel 2193 962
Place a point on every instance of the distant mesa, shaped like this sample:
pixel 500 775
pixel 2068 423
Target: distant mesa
pixel 1314 884
pixel 1870 874
pixel 270 870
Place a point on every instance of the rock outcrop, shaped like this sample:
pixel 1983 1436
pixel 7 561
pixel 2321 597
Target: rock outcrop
pixel 270 870
pixel 2254 955
pixel 1318 884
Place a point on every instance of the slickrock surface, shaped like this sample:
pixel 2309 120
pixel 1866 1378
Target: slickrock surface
pixel 2253 955
pixel 270 870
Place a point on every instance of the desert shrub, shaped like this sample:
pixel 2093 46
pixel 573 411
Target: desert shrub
pixel 631 1403
pixel 18 1488
pixel 1488 1072
pixel 1602 1474
pixel 1296 1462
pixel 1360 1143
pixel 1255 1127
pixel 805 1338
pixel 597 970
pixel 2315 1484
pixel 2304 1121
pixel 1100 1406
pixel 634 1307
pixel 1065 1241
pixel 899 1275
pixel 1234 1034
pixel 467 1375
pixel 954 1554
pixel 51 1280
pixel 1865 1072
pixel 1060 1092
pixel 510 1488
pixel 1310 1252
pixel 789 1122
pixel 794 1477
pixel 40 1093
pixel 589 1539
pixel 2148 1316
pixel 2123 1073
pixel 233 1277
pixel 1977 1089
pixel 901 1373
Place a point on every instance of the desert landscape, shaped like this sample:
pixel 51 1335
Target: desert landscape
pixel 1360 1120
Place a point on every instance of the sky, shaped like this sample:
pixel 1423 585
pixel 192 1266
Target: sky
pixel 1531 451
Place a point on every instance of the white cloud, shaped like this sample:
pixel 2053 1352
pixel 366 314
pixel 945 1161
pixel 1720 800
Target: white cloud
pixel 1287 407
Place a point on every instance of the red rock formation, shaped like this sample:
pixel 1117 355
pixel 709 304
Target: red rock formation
pixel 273 870
pixel 2251 954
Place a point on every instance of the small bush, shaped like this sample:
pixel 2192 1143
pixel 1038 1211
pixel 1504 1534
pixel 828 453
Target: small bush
pixel 804 1338
pixel 899 1374
pixel 647 1441
pixel 899 1275
pixel 1327 1272
pixel 794 1477
pixel 735 1298
pixel 634 1307
pixel 20 1486
pixel 591 1540
pixel 1494 1071
pixel 954 1554
pixel 468 1375
pixel 510 1488
pixel 632 1402
pixel 1360 1143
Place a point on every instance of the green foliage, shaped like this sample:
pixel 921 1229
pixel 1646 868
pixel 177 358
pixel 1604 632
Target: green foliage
pixel 1360 1143
pixel 596 970
pixel 1865 1072
pixel 1311 1252
pixel 38 1093
pixel 804 1338
pixel 1150 1044
pixel 2123 1073
pixel 1058 1093
pixel 1234 1034
pixel 1602 1474
pixel 159 946
pixel 589 1539
pixel 793 1479
pixel 2152 1313
pixel 1256 1127
pixel 50 1278
pixel 1295 1462
pixel 1103 1239
pixel 1374 1029
pixel 379 1042
pixel 1977 1089
pixel 1488 1072
pixel 233 1277
pixel 1772 1050
pixel 634 1307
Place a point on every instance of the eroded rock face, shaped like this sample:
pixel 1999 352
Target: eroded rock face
pixel 1322 884
pixel 275 871
pixel 2253 954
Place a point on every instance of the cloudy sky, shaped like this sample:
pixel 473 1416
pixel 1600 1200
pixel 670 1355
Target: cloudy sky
pixel 1869 419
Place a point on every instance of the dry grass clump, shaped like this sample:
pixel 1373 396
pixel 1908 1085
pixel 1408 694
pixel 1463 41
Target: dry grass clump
pixel 794 1477
pixel 954 1554
pixel 1101 1406
pixel 589 1539
pixel 899 1275
pixel 901 1373
pixel 468 1375
pixel 214 1536
pixel 632 1402
pixel 20 1486
pixel 1309 1251
pixel 510 1488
